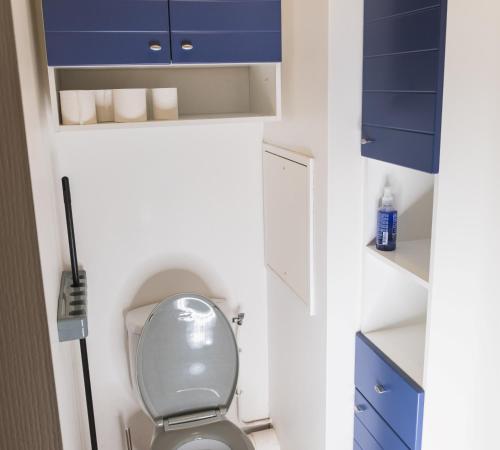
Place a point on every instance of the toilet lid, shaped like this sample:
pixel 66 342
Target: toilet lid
pixel 187 358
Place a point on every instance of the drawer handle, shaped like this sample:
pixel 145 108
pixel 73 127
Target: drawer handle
pixel 155 46
pixel 359 409
pixel 365 141
pixel 379 389
pixel 187 46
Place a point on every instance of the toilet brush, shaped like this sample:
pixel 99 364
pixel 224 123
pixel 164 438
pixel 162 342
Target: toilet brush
pixel 77 284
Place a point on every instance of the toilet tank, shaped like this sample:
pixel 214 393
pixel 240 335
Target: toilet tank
pixel 134 321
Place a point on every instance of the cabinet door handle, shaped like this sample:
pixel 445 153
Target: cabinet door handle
pixel 154 46
pixel 365 141
pixel 359 408
pixel 380 389
pixel 187 46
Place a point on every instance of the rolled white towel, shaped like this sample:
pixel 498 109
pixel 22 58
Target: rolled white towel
pixel 265 440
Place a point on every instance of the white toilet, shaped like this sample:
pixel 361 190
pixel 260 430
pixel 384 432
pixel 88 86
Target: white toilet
pixel 184 366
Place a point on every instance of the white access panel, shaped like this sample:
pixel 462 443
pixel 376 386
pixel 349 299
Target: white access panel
pixel 288 219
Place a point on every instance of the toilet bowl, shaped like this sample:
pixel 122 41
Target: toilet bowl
pixel 184 368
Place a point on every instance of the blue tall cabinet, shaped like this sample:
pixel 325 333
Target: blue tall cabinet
pixel 404 46
pixel 129 32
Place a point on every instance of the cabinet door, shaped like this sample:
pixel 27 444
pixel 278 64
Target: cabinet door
pixel 363 438
pixel 389 391
pixel 376 425
pixel 403 81
pixel 225 31
pixel 94 32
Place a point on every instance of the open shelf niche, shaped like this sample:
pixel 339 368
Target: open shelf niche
pixel 396 284
pixel 221 93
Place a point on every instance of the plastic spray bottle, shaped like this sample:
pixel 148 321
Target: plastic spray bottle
pixel 387 223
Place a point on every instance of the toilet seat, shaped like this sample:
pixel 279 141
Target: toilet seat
pixel 187 369
pixel 218 435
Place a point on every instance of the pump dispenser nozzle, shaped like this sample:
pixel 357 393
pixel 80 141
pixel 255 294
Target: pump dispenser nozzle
pixel 388 198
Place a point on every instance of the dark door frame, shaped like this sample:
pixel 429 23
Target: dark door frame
pixel 29 417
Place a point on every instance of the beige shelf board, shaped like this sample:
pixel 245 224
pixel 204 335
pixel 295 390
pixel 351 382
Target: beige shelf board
pixel 405 346
pixel 183 120
pixel 410 257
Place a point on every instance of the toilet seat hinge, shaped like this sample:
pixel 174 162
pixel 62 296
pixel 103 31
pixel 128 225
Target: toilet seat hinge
pixel 195 419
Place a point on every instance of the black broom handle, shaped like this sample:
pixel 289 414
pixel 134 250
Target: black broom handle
pixel 76 283
pixel 71 231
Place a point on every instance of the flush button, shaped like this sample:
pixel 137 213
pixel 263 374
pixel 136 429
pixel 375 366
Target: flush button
pixel 187 45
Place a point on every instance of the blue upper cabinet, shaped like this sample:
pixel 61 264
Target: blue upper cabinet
pixel 115 32
pixel 225 31
pixel 404 43
pixel 98 32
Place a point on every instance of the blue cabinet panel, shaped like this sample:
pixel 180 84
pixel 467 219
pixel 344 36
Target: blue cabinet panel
pixel 356 446
pixel 416 72
pixel 106 15
pixel 226 47
pixel 80 48
pixel 404 47
pixel 407 33
pixel 363 437
pixel 376 425
pixel 223 31
pixel 97 32
pixel 408 111
pixel 376 9
pixel 404 148
pixel 226 15
pixel 390 391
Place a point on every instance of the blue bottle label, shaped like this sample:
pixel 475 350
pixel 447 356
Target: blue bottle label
pixel 387 225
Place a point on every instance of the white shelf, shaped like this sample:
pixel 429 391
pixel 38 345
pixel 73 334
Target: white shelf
pixel 410 257
pixel 405 346
pixel 183 120
pixel 208 93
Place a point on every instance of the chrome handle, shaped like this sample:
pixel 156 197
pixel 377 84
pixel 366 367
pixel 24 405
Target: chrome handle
pixel 187 46
pixel 128 439
pixel 380 389
pixel 155 46
pixel 359 408
pixel 365 141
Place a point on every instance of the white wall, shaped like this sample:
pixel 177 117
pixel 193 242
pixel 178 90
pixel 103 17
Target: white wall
pixel 312 358
pixel 463 362
pixel 156 211
pixel 345 216
pixel 183 206
pixel 297 342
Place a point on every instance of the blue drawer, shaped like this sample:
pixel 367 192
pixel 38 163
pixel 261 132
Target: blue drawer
pixel 226 47
pixel 399 400
pixel 225 15
pixel 90 48
pixel 106 15
pixel 363 438
pixel 416 72
pixel 356 446
pixel 377 426
pixel 383 8
pixel 412 32
pixel 402 110
pixel 404 148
